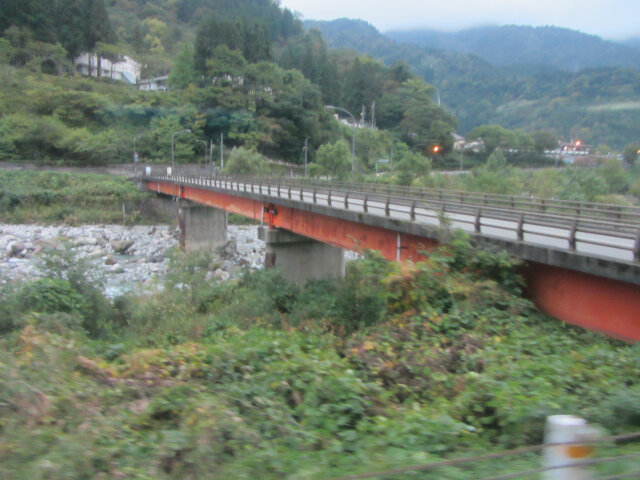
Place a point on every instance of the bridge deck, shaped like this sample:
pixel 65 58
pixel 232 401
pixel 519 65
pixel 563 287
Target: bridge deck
pixel 570 241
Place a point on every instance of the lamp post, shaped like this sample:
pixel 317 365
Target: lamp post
pixel 353 138
pixel 204 164
pixel 173 159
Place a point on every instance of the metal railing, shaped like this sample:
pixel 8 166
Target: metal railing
pixel 578 227
pixel 533 204
pixel 632 459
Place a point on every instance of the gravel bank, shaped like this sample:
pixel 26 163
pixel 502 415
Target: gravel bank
pixel 126 257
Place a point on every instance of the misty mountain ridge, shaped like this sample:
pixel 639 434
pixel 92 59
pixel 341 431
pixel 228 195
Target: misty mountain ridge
pixel 600 103
pixel 633 42
pixel 561 48
pixel 433 64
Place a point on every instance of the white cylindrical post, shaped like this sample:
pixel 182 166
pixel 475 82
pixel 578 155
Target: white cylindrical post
pixel 567 429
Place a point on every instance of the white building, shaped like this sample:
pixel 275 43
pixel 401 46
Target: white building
pixel 462 145
pixel 156 83
pixel 126 69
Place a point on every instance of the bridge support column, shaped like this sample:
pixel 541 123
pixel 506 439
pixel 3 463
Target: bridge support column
pixel 202 229
pixel 300 258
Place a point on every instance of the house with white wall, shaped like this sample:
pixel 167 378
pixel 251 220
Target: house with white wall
pixel 126 69
pixel 155 83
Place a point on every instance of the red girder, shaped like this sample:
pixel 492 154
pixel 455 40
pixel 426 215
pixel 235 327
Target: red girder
pixel 597 303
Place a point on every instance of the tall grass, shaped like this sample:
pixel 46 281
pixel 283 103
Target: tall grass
pixel 72 198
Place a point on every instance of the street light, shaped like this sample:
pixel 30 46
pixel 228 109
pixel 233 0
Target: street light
pixel 353 138
pixel 435 149
pixel 173 160
pixel 204 164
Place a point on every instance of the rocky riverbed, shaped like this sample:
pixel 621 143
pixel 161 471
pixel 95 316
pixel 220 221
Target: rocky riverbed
pixel 127 258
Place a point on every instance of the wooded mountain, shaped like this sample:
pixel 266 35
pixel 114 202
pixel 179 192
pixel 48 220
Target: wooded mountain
pixel 247 71
pixel 512 44
pixel 600 105
pixel 632 42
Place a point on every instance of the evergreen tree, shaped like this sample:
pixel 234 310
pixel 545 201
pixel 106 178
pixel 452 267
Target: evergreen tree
pixel 82 24
pixel 71 21
pixel 36 15
pixel 183 73
pixel 256 44
pixel 98 26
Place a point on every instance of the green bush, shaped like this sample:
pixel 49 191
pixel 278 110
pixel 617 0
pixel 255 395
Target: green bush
pixel 460 255
pixel 243 161
pixel 9 307
pixel 620 412
pixel 62 266
pixel 271 282
pixel 50 295
pixel 360 299
pixel 394 365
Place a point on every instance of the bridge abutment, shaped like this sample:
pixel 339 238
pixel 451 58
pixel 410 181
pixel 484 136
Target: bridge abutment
pixel 301 258
pixel 202 228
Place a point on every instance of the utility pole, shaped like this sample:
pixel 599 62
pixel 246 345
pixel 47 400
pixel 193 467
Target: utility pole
pixel 373 114
pixel 306 149
pixel 211 157
pixel 135 154
pixel 221 151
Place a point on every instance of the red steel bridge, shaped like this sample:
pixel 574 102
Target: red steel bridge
pixel 582 259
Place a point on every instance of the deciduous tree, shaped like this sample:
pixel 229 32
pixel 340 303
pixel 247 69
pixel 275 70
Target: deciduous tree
pixel 335 159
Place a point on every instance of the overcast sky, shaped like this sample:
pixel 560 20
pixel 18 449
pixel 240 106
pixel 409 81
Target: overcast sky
pixel 615 19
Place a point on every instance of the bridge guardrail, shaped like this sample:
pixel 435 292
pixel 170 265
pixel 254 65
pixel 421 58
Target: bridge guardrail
pixel 627 214
pixel 534 204
pixel 618 230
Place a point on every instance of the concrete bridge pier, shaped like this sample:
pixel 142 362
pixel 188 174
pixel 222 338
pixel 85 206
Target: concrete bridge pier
pixel 202 228
pixel 300 258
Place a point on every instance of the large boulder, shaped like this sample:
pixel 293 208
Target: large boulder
pixel 121 246
pixel 15 249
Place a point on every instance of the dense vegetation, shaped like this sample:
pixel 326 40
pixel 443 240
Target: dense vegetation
pixel 77 25
pixel 47 197
pixel 248 72
pixel 395 365
pixel 609 183
pixel 599 105
pixel 244 70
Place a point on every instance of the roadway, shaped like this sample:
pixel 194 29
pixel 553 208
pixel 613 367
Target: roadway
pixel 593 230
